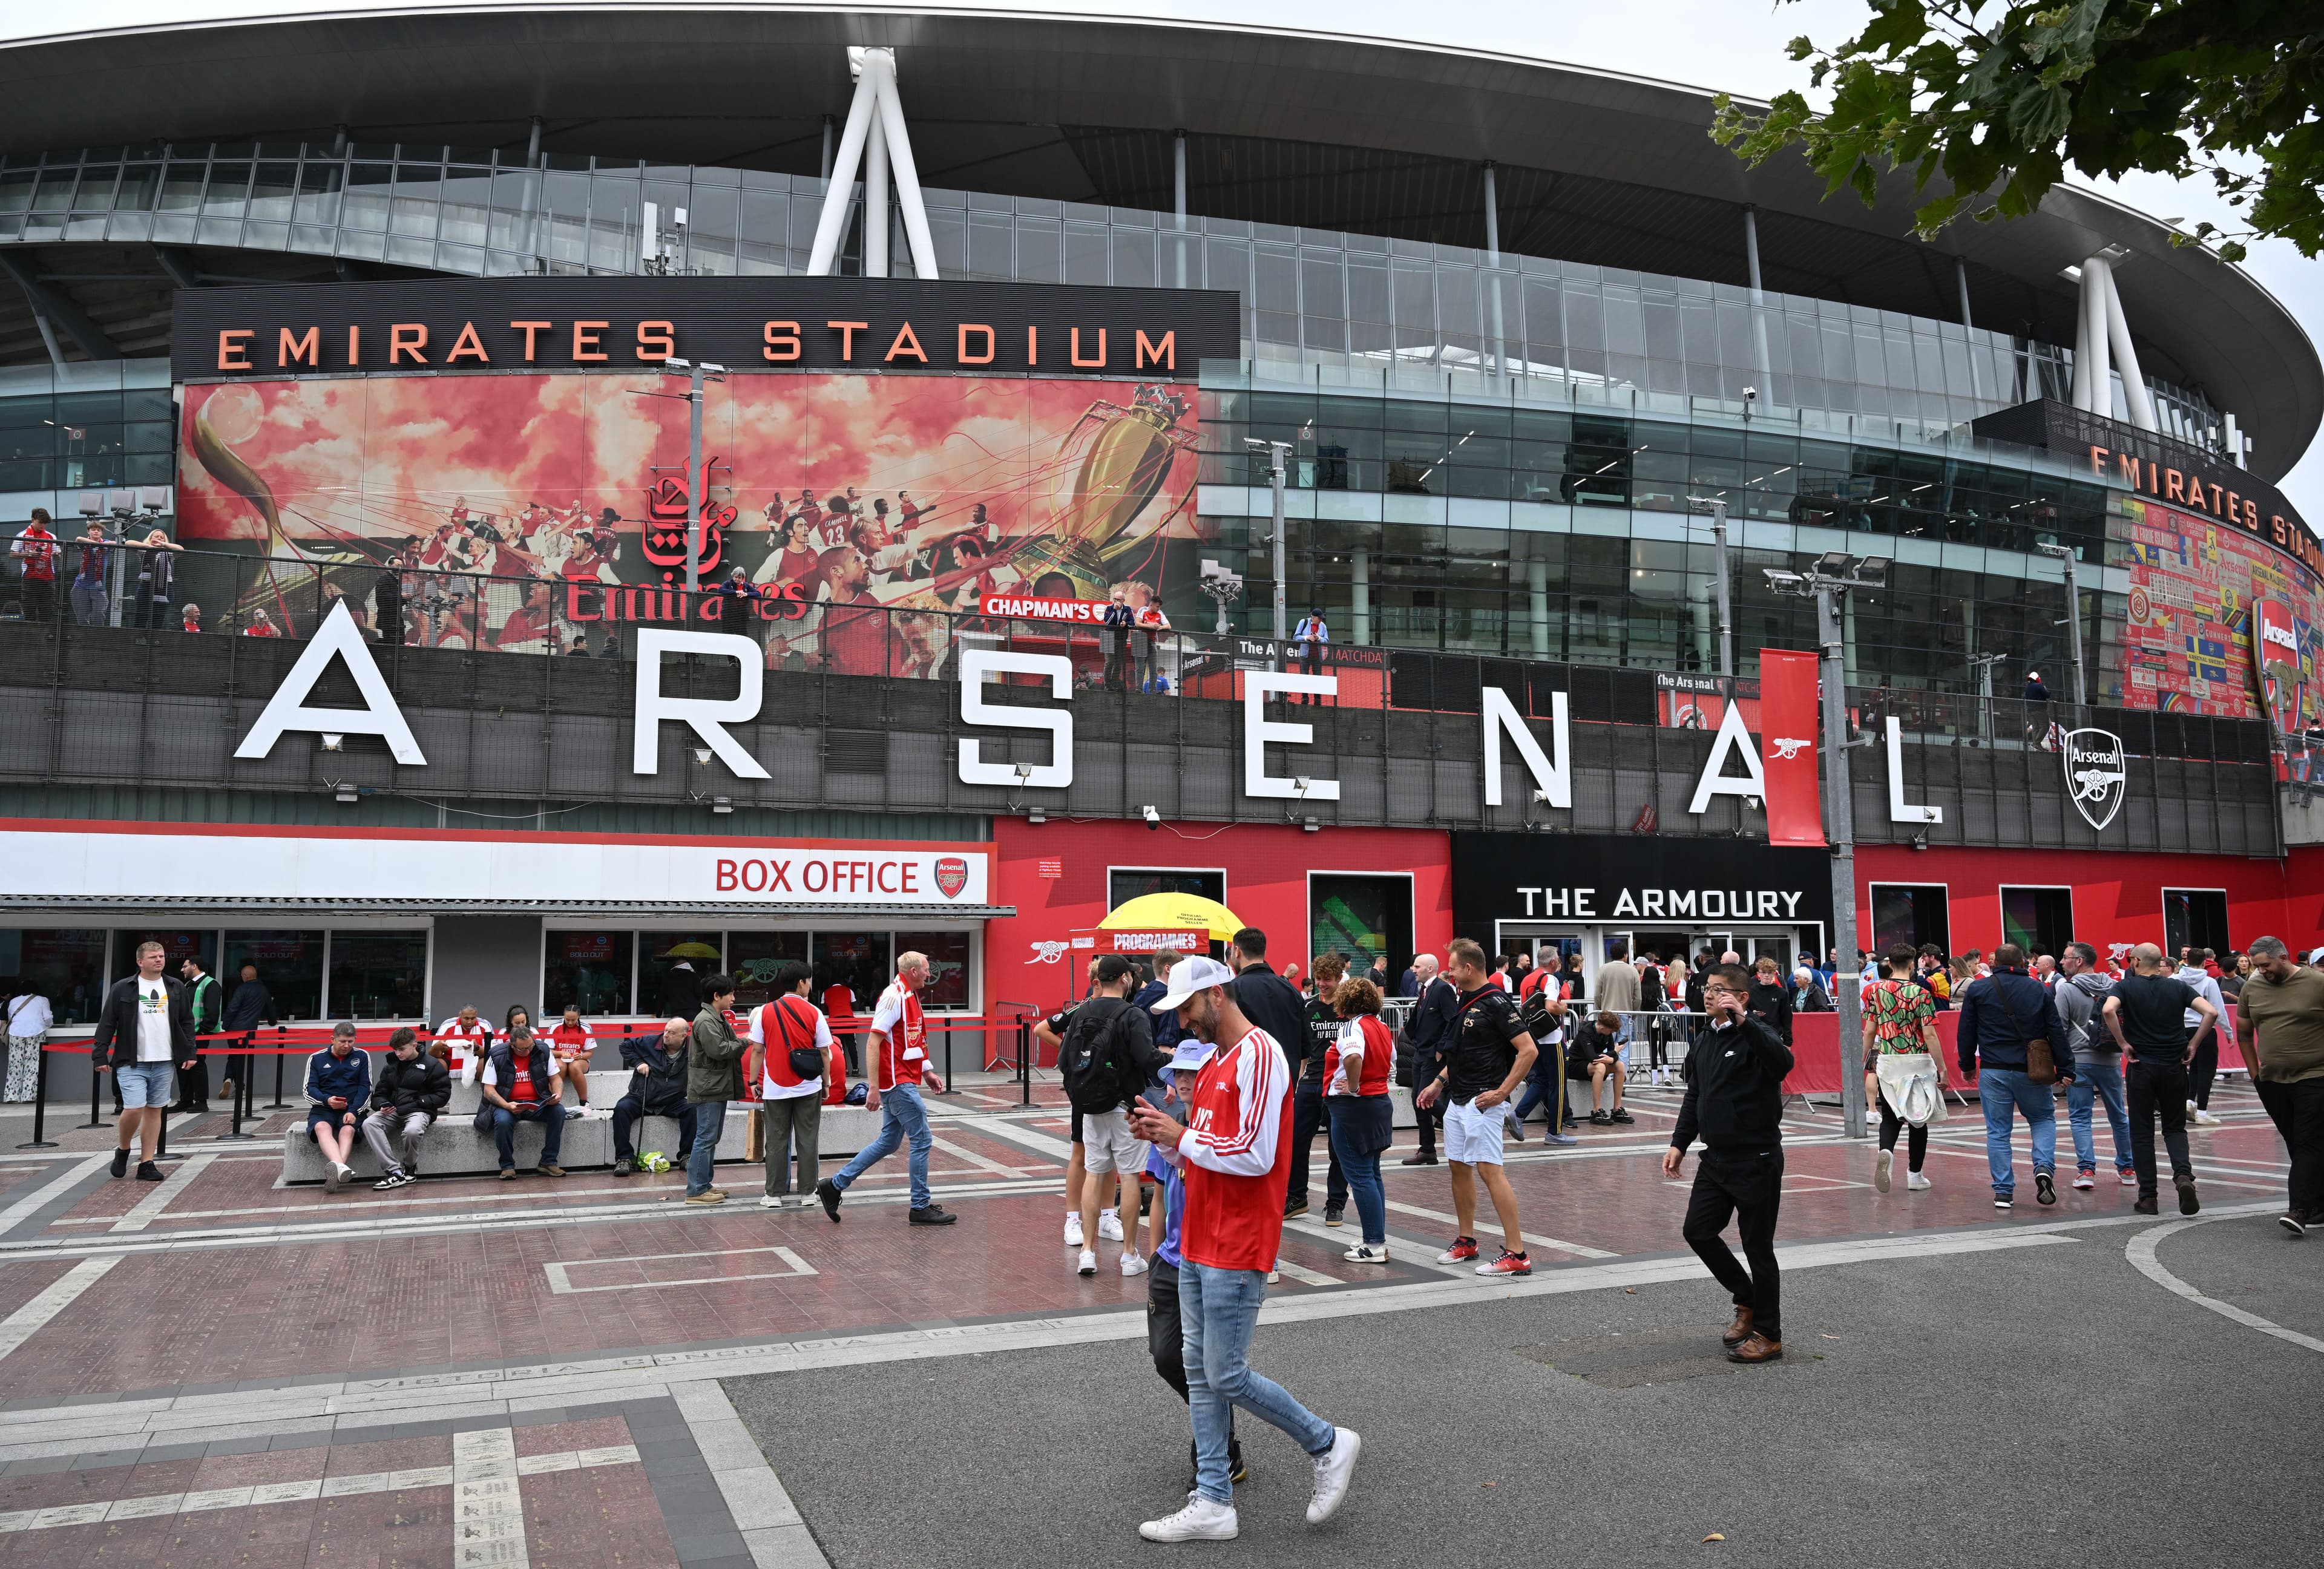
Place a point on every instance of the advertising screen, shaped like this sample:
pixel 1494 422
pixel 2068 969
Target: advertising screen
pixel 530 500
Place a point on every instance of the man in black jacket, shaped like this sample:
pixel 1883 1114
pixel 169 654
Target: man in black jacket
pixel 657 1088
pixel 1266 998
pixel 144 1037
pixel 412 1089
pixel 1735 1071
pixel 1428 1031
pixel 250 1006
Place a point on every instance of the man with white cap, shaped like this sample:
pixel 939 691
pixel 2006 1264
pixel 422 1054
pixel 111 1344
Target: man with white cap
pixel 1233 1151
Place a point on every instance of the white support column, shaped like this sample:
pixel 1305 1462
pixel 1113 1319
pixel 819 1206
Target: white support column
pixel 1179 158
pixel 2092 366
pixel 899 150
pixel 876 220
pixel 831 226
pixel 1493 266
pixel 2125 356
pixel 1758 298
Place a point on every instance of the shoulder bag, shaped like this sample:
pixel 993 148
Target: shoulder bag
pixel 2041 1064
pixel 805 1061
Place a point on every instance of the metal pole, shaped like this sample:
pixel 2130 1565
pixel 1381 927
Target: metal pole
pixel 694 489
pixel 1493 266
pixel 96 1081
pixel 1726 621
pixel 40 1140
pixel 2074 631
pixel 1845 1001
pixel 1178 156
pixel 1279 459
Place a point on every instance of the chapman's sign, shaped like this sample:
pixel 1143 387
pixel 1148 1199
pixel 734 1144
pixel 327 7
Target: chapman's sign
pixel 743 324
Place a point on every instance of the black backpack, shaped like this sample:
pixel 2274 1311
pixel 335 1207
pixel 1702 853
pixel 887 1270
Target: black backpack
pixel 1094 1061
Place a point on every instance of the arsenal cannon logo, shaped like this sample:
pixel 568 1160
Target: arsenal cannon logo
pixel 952 875
pixel 2096 777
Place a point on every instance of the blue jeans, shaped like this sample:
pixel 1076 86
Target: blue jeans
pixel 901 1117
pixel 548 1114
pixel 709 1121
pixel 2099 1078
pixel 1363 1174
pixel 1217 1311
pixel 1542 1085
pixel 2001 1090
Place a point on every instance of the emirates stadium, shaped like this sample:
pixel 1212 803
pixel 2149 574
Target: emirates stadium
pixel 786 481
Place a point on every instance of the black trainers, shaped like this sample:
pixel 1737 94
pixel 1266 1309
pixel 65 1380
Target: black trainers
pixel 2146 1207
pixel 121 1163
pixel 2294 1222
pixel 623 1167
pixel 1600 1119
pixel 2045 1190
pixel 148 1172
pixel 2188 1203
pixel 1334 1217
pixel 933 1215
pixel 1619 1116
pixel 1295 1206
pixel 830 1196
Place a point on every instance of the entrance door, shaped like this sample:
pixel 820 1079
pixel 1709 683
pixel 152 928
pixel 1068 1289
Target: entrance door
pixel 1548 945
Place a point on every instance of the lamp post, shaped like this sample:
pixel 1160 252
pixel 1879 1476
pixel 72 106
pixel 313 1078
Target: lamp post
pixel 1278 455
pixel 2073 621
pixel 1828 583
pixel 697 375
pixel 1717 509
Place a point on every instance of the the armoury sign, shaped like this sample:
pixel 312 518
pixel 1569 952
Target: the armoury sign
pixel 743 324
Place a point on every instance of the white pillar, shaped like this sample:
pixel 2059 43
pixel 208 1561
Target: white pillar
pixel 1362 588
pixel 898 148
pixel 1493 266
pixel 876 221
pixel 1537 603
pixel 1758 299
pixel 2091 365
pixel 2235 440
pixel 831 226
pixel 1179 159
pixel 2134 384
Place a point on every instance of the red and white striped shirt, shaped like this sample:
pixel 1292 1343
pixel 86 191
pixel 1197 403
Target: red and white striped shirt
pixel 570 1039
pixel 1236 1155
pixel 467 1040
pixel 902 1036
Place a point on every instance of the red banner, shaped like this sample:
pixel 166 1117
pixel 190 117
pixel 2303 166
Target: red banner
pixel 1787 746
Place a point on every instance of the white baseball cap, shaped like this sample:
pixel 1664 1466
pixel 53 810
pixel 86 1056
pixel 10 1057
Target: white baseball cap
pixel 1190 1056
pixel 1190 976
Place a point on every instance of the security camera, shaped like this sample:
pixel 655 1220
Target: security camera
pixel 1153 818
pixel 1541 798
pixel 1750 395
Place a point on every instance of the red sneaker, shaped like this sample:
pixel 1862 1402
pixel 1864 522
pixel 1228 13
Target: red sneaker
pixel 1463 1250
pixel 1508 1263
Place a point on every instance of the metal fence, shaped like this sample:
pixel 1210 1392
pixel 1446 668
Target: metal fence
pixel 523 689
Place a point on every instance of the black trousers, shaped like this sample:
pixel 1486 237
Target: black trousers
pixel 1166 1343
pixel 626 1113
pixel 2297 1109
pixel 390 619
pixel 1426 1118
pixel 39 598
pixel 2203 1070
pixel 1916 1148
pixel 194 1083
pixel 1748 1184
pixel 1308 1117
pixel 2156 1089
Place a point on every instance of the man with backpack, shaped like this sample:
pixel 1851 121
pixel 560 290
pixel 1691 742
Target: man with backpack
pixel 1108 1058
pixel 2081 991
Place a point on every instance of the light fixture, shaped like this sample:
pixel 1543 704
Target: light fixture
pixel 1921 840
pixel 334 742
pixel 724 805
pixel 346 795
pixel 675 364
pixel 1872 572
pixel 1310 826
pixel 1036 817
pixel 702 755
pixel 1835 563
pixel 1024 772
pixel 1783 582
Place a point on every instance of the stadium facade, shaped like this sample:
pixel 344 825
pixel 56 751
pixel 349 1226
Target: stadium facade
pixel 308 293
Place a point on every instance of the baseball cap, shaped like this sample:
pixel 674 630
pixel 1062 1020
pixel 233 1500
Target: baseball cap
pixel 1190 976
pixel 1190 1056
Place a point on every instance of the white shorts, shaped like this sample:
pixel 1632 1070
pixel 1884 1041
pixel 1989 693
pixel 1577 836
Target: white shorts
pixel 1107 1144
pixel 1472 1136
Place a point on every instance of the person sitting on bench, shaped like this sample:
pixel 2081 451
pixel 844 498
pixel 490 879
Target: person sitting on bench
pixel 1597 1055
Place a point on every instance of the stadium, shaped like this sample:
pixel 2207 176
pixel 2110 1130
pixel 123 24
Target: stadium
pixel 942 332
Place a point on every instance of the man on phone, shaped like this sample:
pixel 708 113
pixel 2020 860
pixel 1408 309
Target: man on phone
pixel 1735 1072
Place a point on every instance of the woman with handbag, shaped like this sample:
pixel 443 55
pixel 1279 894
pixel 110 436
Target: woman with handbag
pixel 791 1054
pixel 1901 1054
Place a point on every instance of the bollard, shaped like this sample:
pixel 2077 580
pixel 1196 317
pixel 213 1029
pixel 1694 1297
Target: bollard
pixel 234 1114
pixel 278 1102
pixel 39 1106
pixel 1025 1059
pixel 96 1082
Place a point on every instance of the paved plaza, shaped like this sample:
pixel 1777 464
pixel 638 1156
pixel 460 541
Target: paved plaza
pixel 222 1370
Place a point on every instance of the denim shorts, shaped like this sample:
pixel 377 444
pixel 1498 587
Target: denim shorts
pixel 145 1083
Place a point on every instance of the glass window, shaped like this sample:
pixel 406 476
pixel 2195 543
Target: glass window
pixel 948 980
pixel 1909 913
pixel 366 196
pixel 66 965
pixel 589 970
pixel 2194 918
pixel 1361 918
pixel 377 975
pixel 289 963
pixel 755 956
pixel 1124 885
pixel 855 961
pixel 662 986
pixel 2039 920
pixel 229 185
pixel 177 946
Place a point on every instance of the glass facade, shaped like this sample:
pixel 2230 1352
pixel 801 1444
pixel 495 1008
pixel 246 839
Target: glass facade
pixel 620 972
pixel 91 426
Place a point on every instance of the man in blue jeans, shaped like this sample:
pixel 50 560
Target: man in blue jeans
pixel 2000 1014
pixel 2081 992
pixel 900 1066
pixel 714 1077
pixel 523 1086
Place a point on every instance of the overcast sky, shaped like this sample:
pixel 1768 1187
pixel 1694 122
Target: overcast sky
pixel 1734 44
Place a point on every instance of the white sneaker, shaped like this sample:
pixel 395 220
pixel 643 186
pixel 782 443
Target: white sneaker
pixel 2126 1179
pixel 1202 1521
pixel 1914 1182
pixel 1274 1277
pixel 1334 1470
pixel 1882 1163
pixel 1109 1226
pixel 1073 1230
pixel 1131 1264
pixel 2085 1180
pixel 1089 1262
pixel 1364 1253
pixel 2203 1119
pixel 771 1201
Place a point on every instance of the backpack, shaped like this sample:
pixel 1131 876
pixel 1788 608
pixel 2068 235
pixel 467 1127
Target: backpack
pixel 1094 1061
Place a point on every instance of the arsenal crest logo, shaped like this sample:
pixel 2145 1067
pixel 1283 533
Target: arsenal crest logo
pixel 2096 775
pixel 952 875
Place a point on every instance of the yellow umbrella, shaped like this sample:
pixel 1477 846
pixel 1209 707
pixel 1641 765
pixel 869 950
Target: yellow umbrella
pixel 690 951
pixel 1179 911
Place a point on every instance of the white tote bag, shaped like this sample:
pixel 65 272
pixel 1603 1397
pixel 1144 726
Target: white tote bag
pixel 1908 1082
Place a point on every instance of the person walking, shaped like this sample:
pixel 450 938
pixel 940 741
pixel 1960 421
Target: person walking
pixel 1900 1023
pixel 1617 990
pixel 899 1045
pixel 2203 1068
pixel 2279 1026
pixel 1308 1113
pixel 29 1018
pixel 1266 998
pixel 2080 991
pixel 1106 1059
pixel 1230 1150
pixel 1362 1120
pixel 1489 1056
pixel 2010 1029
pixel 713 1077
pixel 1734 1101
pixel 1428 1031
pixel 2143 1014
pixel 791 1042
pixel 144 1035
pixel 205 1001
pixel 412 1090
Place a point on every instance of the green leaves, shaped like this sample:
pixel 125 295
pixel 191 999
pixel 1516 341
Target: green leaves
pixel 1988 102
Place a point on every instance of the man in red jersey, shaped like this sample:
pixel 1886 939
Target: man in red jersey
pixel 900 1066
pixel 1234 1149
